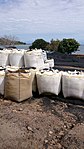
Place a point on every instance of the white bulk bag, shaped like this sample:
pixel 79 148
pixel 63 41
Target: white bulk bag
pixel 16 58
pixel 73 85
pixel 18 86
pixel 46 65
pixel 44 55
pixel 49 81
pixel 2 77
pixel 51 62
pixel 34 59
pixel 4 58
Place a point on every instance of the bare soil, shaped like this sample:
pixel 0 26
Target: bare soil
pixel 46 122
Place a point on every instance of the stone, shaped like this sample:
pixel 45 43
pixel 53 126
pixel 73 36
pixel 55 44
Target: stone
pixel 50 132
pixel 30 129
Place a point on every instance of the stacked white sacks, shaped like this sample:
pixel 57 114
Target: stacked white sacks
pixel 51 62
pixel 73 84
pixel 4 61
pixel 2 78
pixel 46 65
pixel 34 58
pixel 44 55
pixel 49 81
pixel 16 58
pixel 22 58
pixel 18 85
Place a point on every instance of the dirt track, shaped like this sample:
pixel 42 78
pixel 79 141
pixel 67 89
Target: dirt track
pixel 42 123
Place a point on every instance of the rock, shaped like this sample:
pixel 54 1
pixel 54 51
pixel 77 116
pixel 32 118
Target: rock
pixel 65 126
pixel 20 109
pixel 52 110
pixel 14 110
pixel 50 132
pixel 46 141
pixel 40 110
pixel 30 129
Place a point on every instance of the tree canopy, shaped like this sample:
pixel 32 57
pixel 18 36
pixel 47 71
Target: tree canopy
pixel 68 46
pixel 53 45
pixel 39 43
pixel 64 46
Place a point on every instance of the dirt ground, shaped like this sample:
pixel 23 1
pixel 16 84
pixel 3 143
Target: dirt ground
pixel 46 122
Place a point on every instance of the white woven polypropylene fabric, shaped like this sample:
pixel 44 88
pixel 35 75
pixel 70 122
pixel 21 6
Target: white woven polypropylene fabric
pixel 34 59
pixel 2 77
pixel 16 58
pixel 44 55
pixel 4 61
pixel 51 62
pixel 73 85
pixel 49 82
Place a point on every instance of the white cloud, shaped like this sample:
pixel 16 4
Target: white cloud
pixel 42 16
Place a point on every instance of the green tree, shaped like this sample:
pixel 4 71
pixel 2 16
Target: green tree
pixel 68 46
pixel 39 43
pixel 53 45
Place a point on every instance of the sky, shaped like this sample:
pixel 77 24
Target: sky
pixel 33 19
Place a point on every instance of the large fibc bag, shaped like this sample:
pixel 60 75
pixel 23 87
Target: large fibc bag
pixel 43 52
pixel 49 82
pixel 34 58
pixel 2 78
pixel 51 62
pixel 16 58
pixel 18 86
pixel 73 85
pixel 44 55
pixel 4 61
pixel 46 65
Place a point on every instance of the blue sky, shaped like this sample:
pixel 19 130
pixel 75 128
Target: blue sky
pixel 47 19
